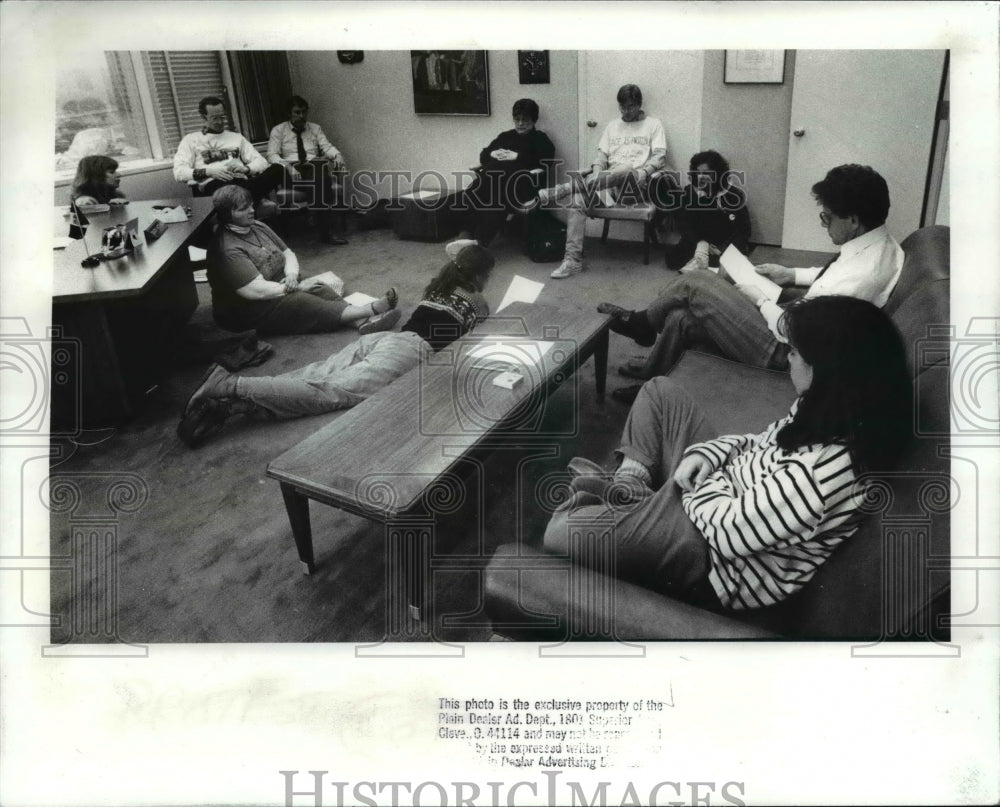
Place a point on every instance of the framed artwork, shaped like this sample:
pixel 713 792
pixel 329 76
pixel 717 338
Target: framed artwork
pixel 533 66
pixel 450 82
pixel 754 67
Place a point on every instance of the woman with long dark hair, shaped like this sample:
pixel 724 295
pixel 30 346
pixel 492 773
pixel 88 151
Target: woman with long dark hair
pixel 744 521
pixel 452 304
pixel 96 182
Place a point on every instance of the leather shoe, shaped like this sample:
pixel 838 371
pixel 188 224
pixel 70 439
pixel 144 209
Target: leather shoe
pixel 629 324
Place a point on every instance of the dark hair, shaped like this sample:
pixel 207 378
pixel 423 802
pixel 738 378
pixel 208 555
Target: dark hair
pixel 860 395
pixel 207 101
pixel 715 162
pixel 525 106
pixel 629 93
pixel 227 198
pixel 470 270
pixel 297 100
pixel 855 190
pixel 92 171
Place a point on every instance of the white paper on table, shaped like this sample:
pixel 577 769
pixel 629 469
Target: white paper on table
pixel 739 268
pixel 197 254
pixel 61 242
pixel 358 298
pixel 508 353
pixel 171 215
pixel 521 290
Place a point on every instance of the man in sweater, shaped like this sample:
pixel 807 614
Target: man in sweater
pixel 312 164
pixel 215 156
pixel 632 147
pixel 740 321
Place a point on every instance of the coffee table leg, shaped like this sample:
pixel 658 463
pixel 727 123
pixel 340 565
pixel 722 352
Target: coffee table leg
pixel 601 362
pixel 297 506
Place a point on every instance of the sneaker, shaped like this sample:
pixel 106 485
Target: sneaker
pixel 456 246
pixel 581 466
pixel 698 263
pixel 567 268
pixel 204 419
pixel 380 322
pixel 217 383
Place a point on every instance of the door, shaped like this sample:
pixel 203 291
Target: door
pixel 671 83
pixel 875 108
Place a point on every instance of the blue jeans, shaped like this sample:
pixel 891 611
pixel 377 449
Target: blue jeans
pixel 340 381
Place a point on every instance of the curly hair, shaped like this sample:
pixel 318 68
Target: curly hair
pixel 855 190
pixel 860 395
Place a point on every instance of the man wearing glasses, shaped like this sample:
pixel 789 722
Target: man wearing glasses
pixel 739 320
pixel 216 156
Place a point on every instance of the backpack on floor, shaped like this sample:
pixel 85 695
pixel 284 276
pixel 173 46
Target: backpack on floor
pixel 546 240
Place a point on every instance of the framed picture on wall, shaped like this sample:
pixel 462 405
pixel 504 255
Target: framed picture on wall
pixel 450 82
pixel 754 67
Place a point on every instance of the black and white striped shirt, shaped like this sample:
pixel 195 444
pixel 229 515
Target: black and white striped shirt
pixel 770 516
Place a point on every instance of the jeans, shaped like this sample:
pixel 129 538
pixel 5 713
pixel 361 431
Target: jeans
pixel 317 310
pixel 701 307
pixel 340 381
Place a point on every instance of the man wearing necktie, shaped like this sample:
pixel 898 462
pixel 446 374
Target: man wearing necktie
pixel 740 321
pixel 314 167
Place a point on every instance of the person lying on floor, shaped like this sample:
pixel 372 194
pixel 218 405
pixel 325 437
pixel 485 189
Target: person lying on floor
pixel 255 280
pixel 452 305
pixel 744 521
pixel 740 321
pixel 712 215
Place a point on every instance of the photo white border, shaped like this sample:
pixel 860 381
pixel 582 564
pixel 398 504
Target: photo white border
pixel 798 723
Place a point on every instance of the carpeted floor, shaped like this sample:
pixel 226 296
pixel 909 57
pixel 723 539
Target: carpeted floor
pixel 205 553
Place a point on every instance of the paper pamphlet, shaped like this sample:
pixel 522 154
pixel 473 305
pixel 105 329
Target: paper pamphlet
pixel 325 279
pixel 357 298
pixel 197 254
pixel 521 290
pixel 61 242
pixel 171 215
pixel 506 353
pixel 742 273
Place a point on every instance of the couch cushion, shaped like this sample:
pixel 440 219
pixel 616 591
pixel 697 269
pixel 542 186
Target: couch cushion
pixel 736 398
pixel 928 257
pixel 922 319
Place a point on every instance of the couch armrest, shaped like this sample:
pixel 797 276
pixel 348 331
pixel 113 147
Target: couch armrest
pixel 533 595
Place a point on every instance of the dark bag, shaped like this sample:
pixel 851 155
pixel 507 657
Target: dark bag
pixel 546 237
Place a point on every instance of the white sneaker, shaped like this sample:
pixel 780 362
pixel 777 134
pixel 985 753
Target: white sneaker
pixel 456 246
pixel 567 268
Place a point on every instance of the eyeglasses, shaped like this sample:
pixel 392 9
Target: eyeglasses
pixel 826 218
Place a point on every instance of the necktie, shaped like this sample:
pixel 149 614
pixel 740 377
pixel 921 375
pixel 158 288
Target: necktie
pixel 300 144
pixel 827 266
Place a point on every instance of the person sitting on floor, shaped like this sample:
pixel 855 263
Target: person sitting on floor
pixel 712 215
pixel 96 182
pixel 452 305
pixel 216 156
pixel 740 321
pixel 255 280
pixel 504 184
pixel 744 521
pixel 632 147
pixel 311 163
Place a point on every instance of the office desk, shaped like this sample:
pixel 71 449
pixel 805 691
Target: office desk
pixel 122 317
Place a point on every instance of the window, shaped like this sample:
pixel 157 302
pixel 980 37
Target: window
pixel 137 106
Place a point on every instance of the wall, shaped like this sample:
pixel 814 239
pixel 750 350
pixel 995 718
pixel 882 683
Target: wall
pixel 367 111
pixel 749 124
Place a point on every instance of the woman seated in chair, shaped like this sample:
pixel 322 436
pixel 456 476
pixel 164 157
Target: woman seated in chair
pixel 503 182
pixel 744 521
pixel 452 305
pixel 96 182
pixel 255 280
pixel 713 215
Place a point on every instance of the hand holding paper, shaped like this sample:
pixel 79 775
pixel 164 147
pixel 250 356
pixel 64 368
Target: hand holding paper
pixel 743 273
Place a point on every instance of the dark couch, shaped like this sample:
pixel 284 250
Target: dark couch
pixel 890 580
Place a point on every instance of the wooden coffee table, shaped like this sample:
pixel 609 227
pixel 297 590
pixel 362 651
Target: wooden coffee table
pixel 399 457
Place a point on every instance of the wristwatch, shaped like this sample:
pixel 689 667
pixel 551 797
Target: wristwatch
pixel 200 173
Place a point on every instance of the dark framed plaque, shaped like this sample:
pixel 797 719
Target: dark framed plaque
pixel 533 66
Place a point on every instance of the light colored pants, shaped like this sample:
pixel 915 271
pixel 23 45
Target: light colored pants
pixel 340 381
pixel 656 544
pixel 701 307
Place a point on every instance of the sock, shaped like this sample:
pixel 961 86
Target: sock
pixel 631 467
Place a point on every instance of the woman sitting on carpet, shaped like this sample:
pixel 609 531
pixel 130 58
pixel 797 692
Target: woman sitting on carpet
pixel 744 521
pixel 96 182
pixel 452 305
pixel 255 280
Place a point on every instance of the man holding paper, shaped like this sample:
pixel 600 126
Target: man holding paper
pixel 741 320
